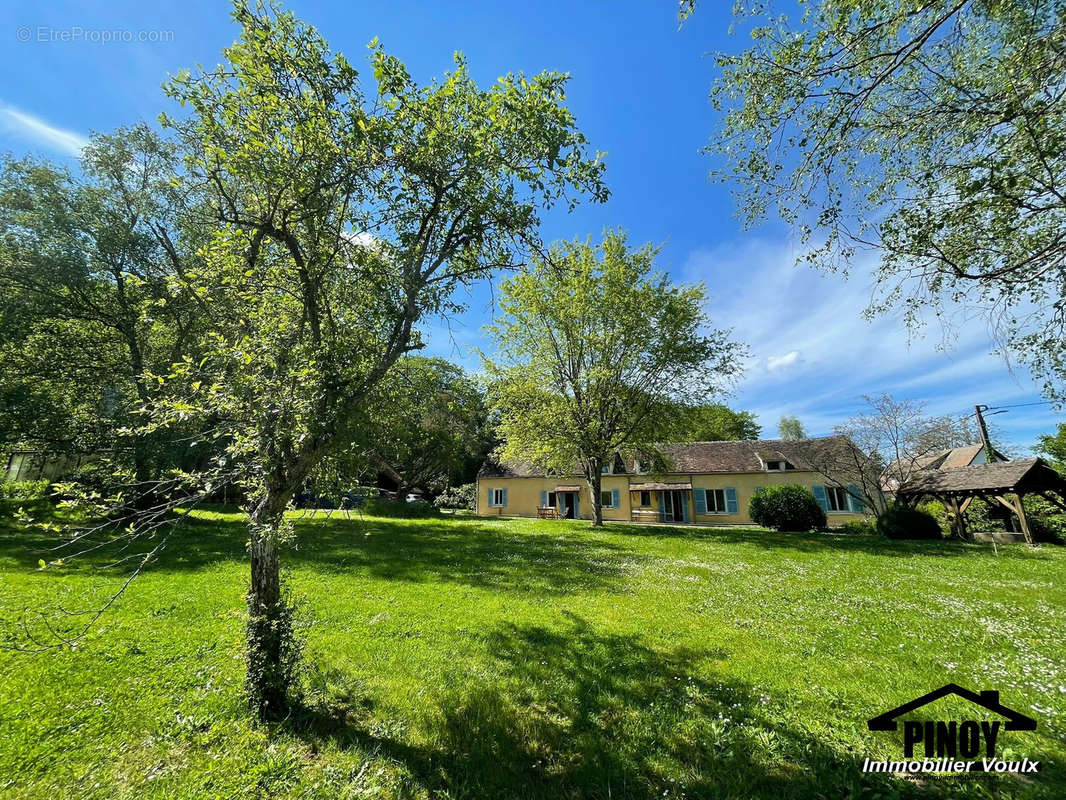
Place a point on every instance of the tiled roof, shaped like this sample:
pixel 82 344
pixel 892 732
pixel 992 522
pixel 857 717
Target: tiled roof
pixel 953 458
pixel 961 456
pixel 998 476
pixel 710 457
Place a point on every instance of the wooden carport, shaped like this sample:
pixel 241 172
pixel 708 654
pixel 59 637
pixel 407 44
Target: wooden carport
pixel 1006 482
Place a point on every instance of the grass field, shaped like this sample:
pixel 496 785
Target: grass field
pixel 465 658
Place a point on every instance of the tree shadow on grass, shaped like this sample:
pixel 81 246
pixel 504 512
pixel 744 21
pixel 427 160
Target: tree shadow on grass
pixel 192 542
pixel 472 552
pixel 811 542
pixel 469 551
pixel 577 712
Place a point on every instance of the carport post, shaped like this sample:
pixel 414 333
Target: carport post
pixel 1022 518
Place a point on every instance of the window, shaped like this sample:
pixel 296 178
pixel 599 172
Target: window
pixel 716 501
pixel 778 466
pixel 643 465
pixel 645 498
pixel 497 497
pixel 551 499
pixel 837 497
pixel 605 499
pixel 605 469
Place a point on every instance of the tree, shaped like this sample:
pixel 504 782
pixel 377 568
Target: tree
pixel 1053 447
pixel 596 351
pixel 337 223
pixel 87 309
pixel 791 428
pixel 430 427
pixel 717 422
pixel 893 439
pixel 932 132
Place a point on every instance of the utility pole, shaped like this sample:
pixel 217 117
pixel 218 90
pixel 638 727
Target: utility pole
pixel 990 455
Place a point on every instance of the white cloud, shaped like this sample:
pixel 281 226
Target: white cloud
pixel 780 362
pixel 362 239
pixel 35 130
pixel 814 354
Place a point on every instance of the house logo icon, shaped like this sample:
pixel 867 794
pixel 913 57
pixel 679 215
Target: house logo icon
pixel 942 742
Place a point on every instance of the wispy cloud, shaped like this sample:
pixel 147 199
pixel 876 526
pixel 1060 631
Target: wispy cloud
pixel 780 362
pixel 34 130
pixel 814 354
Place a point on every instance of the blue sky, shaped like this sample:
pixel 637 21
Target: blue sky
pixel 639 89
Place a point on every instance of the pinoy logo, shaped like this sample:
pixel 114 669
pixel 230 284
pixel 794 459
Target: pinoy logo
pixel 943 742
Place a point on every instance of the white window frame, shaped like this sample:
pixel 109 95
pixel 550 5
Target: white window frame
pixel 609 502
pixel 837 495
pixel 496 497
pixel 713 495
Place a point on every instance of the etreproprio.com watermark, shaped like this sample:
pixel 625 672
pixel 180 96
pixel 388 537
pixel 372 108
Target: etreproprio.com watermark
pixel 50 34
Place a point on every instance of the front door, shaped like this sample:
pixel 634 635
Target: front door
pixel 677 502
pixel 673 506
pixel 569 504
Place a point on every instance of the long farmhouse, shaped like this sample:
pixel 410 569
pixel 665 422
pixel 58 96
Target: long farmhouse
pixel 703 483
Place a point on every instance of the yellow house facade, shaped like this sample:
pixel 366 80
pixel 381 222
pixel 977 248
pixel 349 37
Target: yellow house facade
pixel 701 483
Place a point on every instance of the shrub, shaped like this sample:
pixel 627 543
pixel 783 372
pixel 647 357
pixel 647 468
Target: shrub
pixel 104 477
pixel 857 527
pixel 903 522
pixel 464 497
pixel 786 508
pixel 24 490
pixel 940 513
pixel 381 507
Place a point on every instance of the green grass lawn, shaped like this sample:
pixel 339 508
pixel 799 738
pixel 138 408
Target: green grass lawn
pixel 468 658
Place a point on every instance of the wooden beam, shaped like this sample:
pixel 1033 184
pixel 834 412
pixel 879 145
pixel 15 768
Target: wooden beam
pixel 1010 505
pixel 1051 498
pixel 1021 518
pixel 1018 508
pixel 958 524
pixel 964 532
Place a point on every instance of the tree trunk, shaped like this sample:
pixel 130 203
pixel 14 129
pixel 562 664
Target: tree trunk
pixel 270 647
pixel 595 481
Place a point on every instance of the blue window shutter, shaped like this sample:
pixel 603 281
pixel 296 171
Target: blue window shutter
pixel 577 506
pixel 684 509
pixel 490 497
pixel 504 498
pixel 700 496
pixel 543 499
pixel 819 495
pixel 855 500
pixel 662 507
pixel 615 499
pixel 731 504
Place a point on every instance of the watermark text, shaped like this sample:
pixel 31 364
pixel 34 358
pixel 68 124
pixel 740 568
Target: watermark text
pixel 76 34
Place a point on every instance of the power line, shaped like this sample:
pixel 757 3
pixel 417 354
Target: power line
pixel 1023 405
